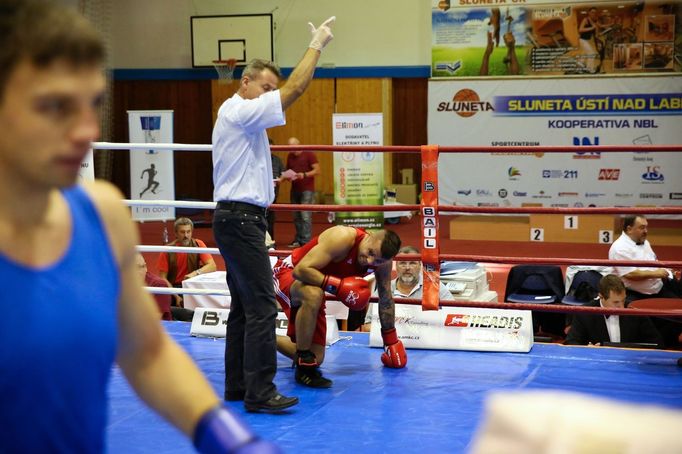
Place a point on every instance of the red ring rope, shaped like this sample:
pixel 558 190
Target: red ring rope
pixel 470 149
pixel 544 307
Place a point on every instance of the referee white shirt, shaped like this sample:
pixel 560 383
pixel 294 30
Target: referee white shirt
pixel 626 249
pixel 242 167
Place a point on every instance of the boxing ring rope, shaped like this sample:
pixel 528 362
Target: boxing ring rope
pixel 415 207
pixel 188 291
pixel 476 304
pixel 400 148
pixel 452 257
pixel 428 154
pixel 565 309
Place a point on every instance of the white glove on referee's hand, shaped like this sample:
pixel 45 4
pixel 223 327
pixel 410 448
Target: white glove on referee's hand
pixel 321 35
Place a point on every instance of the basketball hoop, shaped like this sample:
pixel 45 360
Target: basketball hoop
pixel 225 70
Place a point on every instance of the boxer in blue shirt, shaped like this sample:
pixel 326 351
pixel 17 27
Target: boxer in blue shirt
pixel 72 299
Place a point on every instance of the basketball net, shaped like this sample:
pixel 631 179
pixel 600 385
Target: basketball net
pixel 225 70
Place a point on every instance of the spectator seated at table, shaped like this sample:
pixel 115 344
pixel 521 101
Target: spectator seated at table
pixel 597 329
pixel 641 282
pixel 645 282
pixel 175 267
pixel 408 284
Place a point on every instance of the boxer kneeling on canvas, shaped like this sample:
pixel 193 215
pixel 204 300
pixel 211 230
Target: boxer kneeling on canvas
pixel 334 262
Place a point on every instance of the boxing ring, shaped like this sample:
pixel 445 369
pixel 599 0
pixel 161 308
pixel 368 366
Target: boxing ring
pixel 434 405
pixel 437 402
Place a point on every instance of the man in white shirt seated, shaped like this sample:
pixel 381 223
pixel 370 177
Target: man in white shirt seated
pixel 408 284
pixel 646 282
pixel 596 329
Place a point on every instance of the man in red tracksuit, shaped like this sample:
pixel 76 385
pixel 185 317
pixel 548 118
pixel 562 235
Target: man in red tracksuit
pixel 334 262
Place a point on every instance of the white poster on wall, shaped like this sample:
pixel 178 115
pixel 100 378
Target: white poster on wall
pixel 359 175
pixel 151 171
pixel 565 112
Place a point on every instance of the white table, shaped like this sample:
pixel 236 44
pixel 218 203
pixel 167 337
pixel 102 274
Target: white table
pixel 217 281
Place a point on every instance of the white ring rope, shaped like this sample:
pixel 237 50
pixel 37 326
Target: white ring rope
pixel 187 291
pixel 170 203
pixel 179 249
pixel 151 146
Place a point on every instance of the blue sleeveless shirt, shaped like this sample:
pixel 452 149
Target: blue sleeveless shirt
pixel 58 333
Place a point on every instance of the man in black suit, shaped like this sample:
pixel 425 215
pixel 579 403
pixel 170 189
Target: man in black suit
pixel 597 329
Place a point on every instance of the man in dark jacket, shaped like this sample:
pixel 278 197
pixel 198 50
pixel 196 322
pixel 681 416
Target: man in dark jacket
pixel 597 329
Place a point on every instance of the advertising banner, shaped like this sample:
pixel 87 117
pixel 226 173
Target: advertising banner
pixel 541 112
pixel 151 171
pixel 359 175
pixel 539 37
pixel 459 328
pixel 211 322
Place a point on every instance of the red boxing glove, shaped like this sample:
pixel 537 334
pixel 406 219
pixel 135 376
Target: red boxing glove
pixel 353 291
pixel 394 354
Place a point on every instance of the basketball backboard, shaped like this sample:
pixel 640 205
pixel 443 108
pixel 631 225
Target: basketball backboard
pixel 242 37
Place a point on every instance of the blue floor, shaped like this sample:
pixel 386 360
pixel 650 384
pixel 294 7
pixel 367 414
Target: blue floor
pixel 434 404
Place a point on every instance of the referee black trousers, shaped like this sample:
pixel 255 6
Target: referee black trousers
pixel 250 350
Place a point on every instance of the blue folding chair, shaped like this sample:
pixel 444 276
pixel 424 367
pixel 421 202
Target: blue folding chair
pixel 540 284
pixel 584 288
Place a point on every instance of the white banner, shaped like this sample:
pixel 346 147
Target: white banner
pixel 151 171
pixel 87 171
pixel 212 323
pixel 459 328
pixel 540 112
pixel 359 176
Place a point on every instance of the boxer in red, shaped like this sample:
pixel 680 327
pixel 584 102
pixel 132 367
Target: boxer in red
pixel 334 262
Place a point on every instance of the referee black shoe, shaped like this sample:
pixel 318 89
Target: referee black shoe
pixel 275 404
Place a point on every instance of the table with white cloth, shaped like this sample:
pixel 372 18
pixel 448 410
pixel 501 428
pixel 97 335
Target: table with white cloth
pixel 217 281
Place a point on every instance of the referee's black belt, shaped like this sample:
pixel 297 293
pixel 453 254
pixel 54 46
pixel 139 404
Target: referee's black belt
pixel 241 206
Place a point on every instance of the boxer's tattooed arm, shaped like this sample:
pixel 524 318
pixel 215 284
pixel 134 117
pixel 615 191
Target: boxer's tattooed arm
pixel 386 304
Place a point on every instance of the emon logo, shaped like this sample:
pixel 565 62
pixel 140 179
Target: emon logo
pixel 609 174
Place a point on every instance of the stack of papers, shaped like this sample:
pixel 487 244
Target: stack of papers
pixel 450 268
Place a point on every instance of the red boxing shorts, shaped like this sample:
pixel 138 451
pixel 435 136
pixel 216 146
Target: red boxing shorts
pixel 283 276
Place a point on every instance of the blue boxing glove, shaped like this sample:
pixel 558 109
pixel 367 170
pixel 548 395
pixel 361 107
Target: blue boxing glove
pixel 219 431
